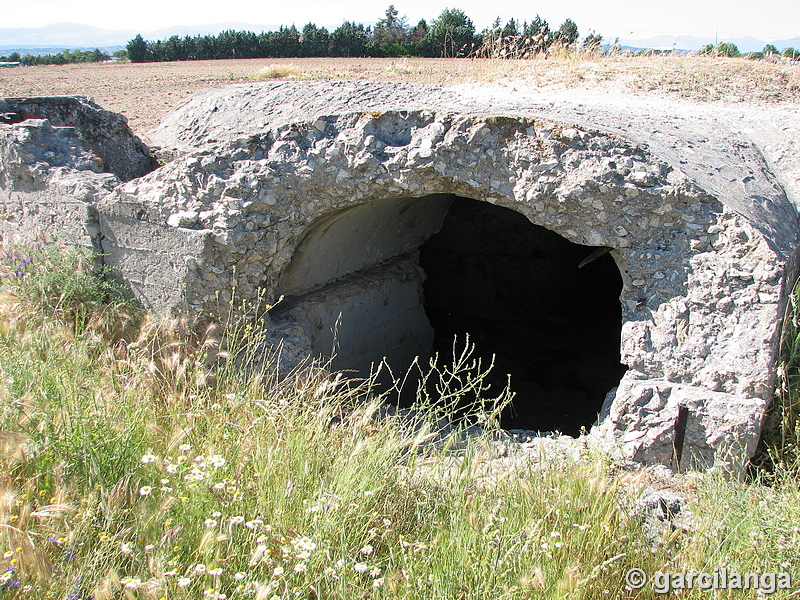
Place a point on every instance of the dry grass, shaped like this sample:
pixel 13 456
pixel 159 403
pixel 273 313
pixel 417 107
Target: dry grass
pixel 278 71
pixel 145 92
pixel 254 488
pixel 702 79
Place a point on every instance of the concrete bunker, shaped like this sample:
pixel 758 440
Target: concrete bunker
pixel 268 179
pixel 404 279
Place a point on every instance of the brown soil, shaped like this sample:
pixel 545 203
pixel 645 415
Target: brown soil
pixel 146 92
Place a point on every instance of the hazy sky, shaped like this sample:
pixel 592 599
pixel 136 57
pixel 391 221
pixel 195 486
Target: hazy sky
pixel 764 19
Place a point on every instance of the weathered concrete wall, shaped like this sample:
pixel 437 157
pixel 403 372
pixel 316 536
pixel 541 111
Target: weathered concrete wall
pixel 58 157
pixel 702 233
pixel 103 133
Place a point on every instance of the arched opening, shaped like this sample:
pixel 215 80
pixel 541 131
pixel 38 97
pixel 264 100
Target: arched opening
pixel 405 277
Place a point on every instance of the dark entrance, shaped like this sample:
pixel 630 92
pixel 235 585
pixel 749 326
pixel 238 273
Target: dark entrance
pixel 516 289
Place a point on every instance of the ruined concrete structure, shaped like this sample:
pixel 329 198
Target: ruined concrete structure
pixel 393 219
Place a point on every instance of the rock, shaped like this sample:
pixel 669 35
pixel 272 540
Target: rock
pixel 661 512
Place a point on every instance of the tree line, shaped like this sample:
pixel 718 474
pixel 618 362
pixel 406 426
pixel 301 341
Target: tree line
pixel 730 50
pixel 62 58
pixel 452 34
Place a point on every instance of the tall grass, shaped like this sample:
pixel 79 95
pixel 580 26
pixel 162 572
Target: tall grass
pixel 141 462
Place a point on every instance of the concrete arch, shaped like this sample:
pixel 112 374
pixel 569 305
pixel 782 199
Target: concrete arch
pixel 703 279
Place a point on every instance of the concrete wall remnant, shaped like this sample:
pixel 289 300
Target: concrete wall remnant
pixel 58 156
pixel 357 202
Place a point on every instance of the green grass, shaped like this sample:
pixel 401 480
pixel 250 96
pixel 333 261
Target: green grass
pixel 139 463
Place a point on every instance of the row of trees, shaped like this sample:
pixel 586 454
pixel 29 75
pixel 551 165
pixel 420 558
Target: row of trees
pixel 62 58
pixel 452 34
pixel 731 50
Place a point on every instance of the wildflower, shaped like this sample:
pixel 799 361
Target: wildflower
pixel 216 461
pixel 254 524
pixel 184 447
pixel 145 490
pixel 216 572
pixel 377 583
pixel 170 468
pixel 170 573
pixel 366 549
pixel 149 458
pixel 183 582
pixel 330 572
pixel 200 568
pixel 239 576
pixel 210 522
pixel 210 593
pixel 237 520
pixel 304 544
pixel 149 547
pixel 126 548
pixel 277 572
pixel 300 567
pixel 374 572
pixel 360 568
pixel 132 583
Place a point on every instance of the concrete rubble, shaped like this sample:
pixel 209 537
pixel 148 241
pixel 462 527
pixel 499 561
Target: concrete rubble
pixel 323 193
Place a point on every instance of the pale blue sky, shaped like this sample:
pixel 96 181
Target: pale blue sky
pixel 636 19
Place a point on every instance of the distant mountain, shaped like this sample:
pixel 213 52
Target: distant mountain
pixel 73 35
pixel 69 35
pixel 666 42
pixel 684 43
pixel 792 43
pixel 691 43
